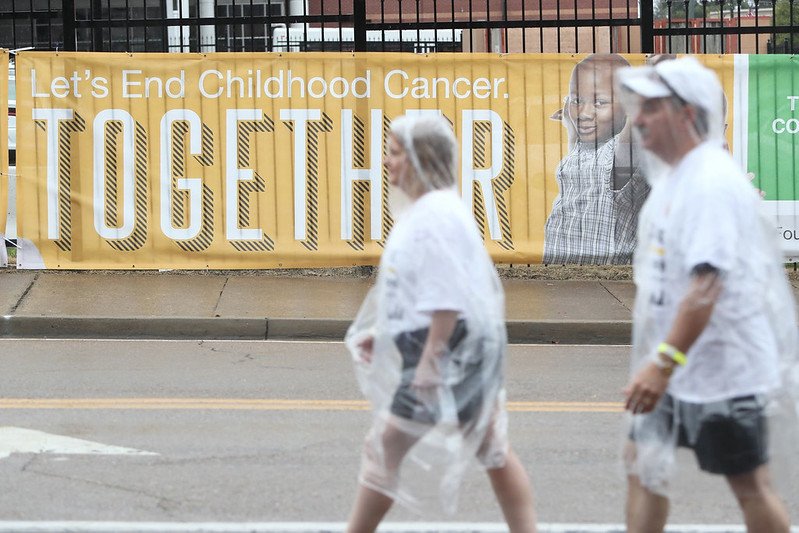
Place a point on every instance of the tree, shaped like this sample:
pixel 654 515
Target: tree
pixel 702 8
pixel 662 9
pixel 786 13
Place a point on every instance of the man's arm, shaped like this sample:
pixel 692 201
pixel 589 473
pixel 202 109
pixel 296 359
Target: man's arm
pixel 693 315
pixel 695 309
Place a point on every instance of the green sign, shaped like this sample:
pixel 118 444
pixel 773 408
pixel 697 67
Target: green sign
pixel 772 152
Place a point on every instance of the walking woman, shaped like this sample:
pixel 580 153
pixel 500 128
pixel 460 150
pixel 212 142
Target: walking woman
pixel 429 344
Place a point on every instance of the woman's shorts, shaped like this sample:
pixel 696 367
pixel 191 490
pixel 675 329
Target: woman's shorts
pixel 467 393
pixel 728 437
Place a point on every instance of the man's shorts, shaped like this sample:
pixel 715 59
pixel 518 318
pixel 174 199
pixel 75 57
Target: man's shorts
pixel 467 393
pixel 728 437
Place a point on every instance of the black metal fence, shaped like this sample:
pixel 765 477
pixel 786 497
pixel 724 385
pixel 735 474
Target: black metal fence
pixel 658 26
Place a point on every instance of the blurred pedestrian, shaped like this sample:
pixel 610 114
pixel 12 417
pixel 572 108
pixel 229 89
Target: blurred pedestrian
pixel 429 344
pixel 714 335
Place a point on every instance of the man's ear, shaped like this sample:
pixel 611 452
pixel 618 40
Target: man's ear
pixel 689 117
pixel 689 112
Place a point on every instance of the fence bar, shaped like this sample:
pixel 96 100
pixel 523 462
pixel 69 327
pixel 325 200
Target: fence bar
pixel 68 7
pixel 390 25
pixel 359 22
pixel 647 26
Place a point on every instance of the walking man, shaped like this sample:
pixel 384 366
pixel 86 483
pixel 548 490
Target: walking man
pixel 708 331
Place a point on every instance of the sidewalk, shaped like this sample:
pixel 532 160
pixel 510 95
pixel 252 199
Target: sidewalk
pixel 245 306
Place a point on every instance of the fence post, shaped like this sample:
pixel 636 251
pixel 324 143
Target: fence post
pixel 359 23
pixel 68 14
pixel 647 26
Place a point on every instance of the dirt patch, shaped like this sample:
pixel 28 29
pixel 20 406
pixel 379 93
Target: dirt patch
pixel 538 272
pixel 566 272
pixel 541 272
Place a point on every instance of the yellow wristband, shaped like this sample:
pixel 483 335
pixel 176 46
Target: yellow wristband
pixel 673 353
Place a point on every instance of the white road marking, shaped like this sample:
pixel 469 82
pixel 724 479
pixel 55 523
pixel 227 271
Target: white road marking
pixel 271 341
pixel 331 527
pixel 21 440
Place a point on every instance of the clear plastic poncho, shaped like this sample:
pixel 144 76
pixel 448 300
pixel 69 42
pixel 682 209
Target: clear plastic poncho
pixel 759 275
pixel 434 259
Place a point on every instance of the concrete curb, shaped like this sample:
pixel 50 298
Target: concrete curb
pixel 570 332
pixel 217 328
pixel 66 327
pixel 307 328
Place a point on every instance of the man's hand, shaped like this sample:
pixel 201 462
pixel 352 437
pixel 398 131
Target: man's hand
pixel 645 389
pixel 751 176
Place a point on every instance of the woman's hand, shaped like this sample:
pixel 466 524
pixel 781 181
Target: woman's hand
pixel 427 374
pixel 427 379
pixel 366 349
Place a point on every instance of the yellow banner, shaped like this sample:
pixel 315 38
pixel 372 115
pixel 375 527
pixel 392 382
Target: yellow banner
pixel 3 140
pixel 257 160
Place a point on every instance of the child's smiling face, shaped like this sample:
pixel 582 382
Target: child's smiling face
pixel 591 106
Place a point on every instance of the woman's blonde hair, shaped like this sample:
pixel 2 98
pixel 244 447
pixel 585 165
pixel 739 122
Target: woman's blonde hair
pixel 432 148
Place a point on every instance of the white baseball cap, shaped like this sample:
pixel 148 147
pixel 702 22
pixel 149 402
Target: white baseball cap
pixel 685 78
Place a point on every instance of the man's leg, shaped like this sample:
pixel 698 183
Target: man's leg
pixel 512 488
pixel 761 505
pixel 646 511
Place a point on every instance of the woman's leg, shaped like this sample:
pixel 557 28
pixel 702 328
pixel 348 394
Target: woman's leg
pixel 370 505
pixel 514 494
pixel 369 509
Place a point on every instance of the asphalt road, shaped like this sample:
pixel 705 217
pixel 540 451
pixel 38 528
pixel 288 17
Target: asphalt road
pixel 271 432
